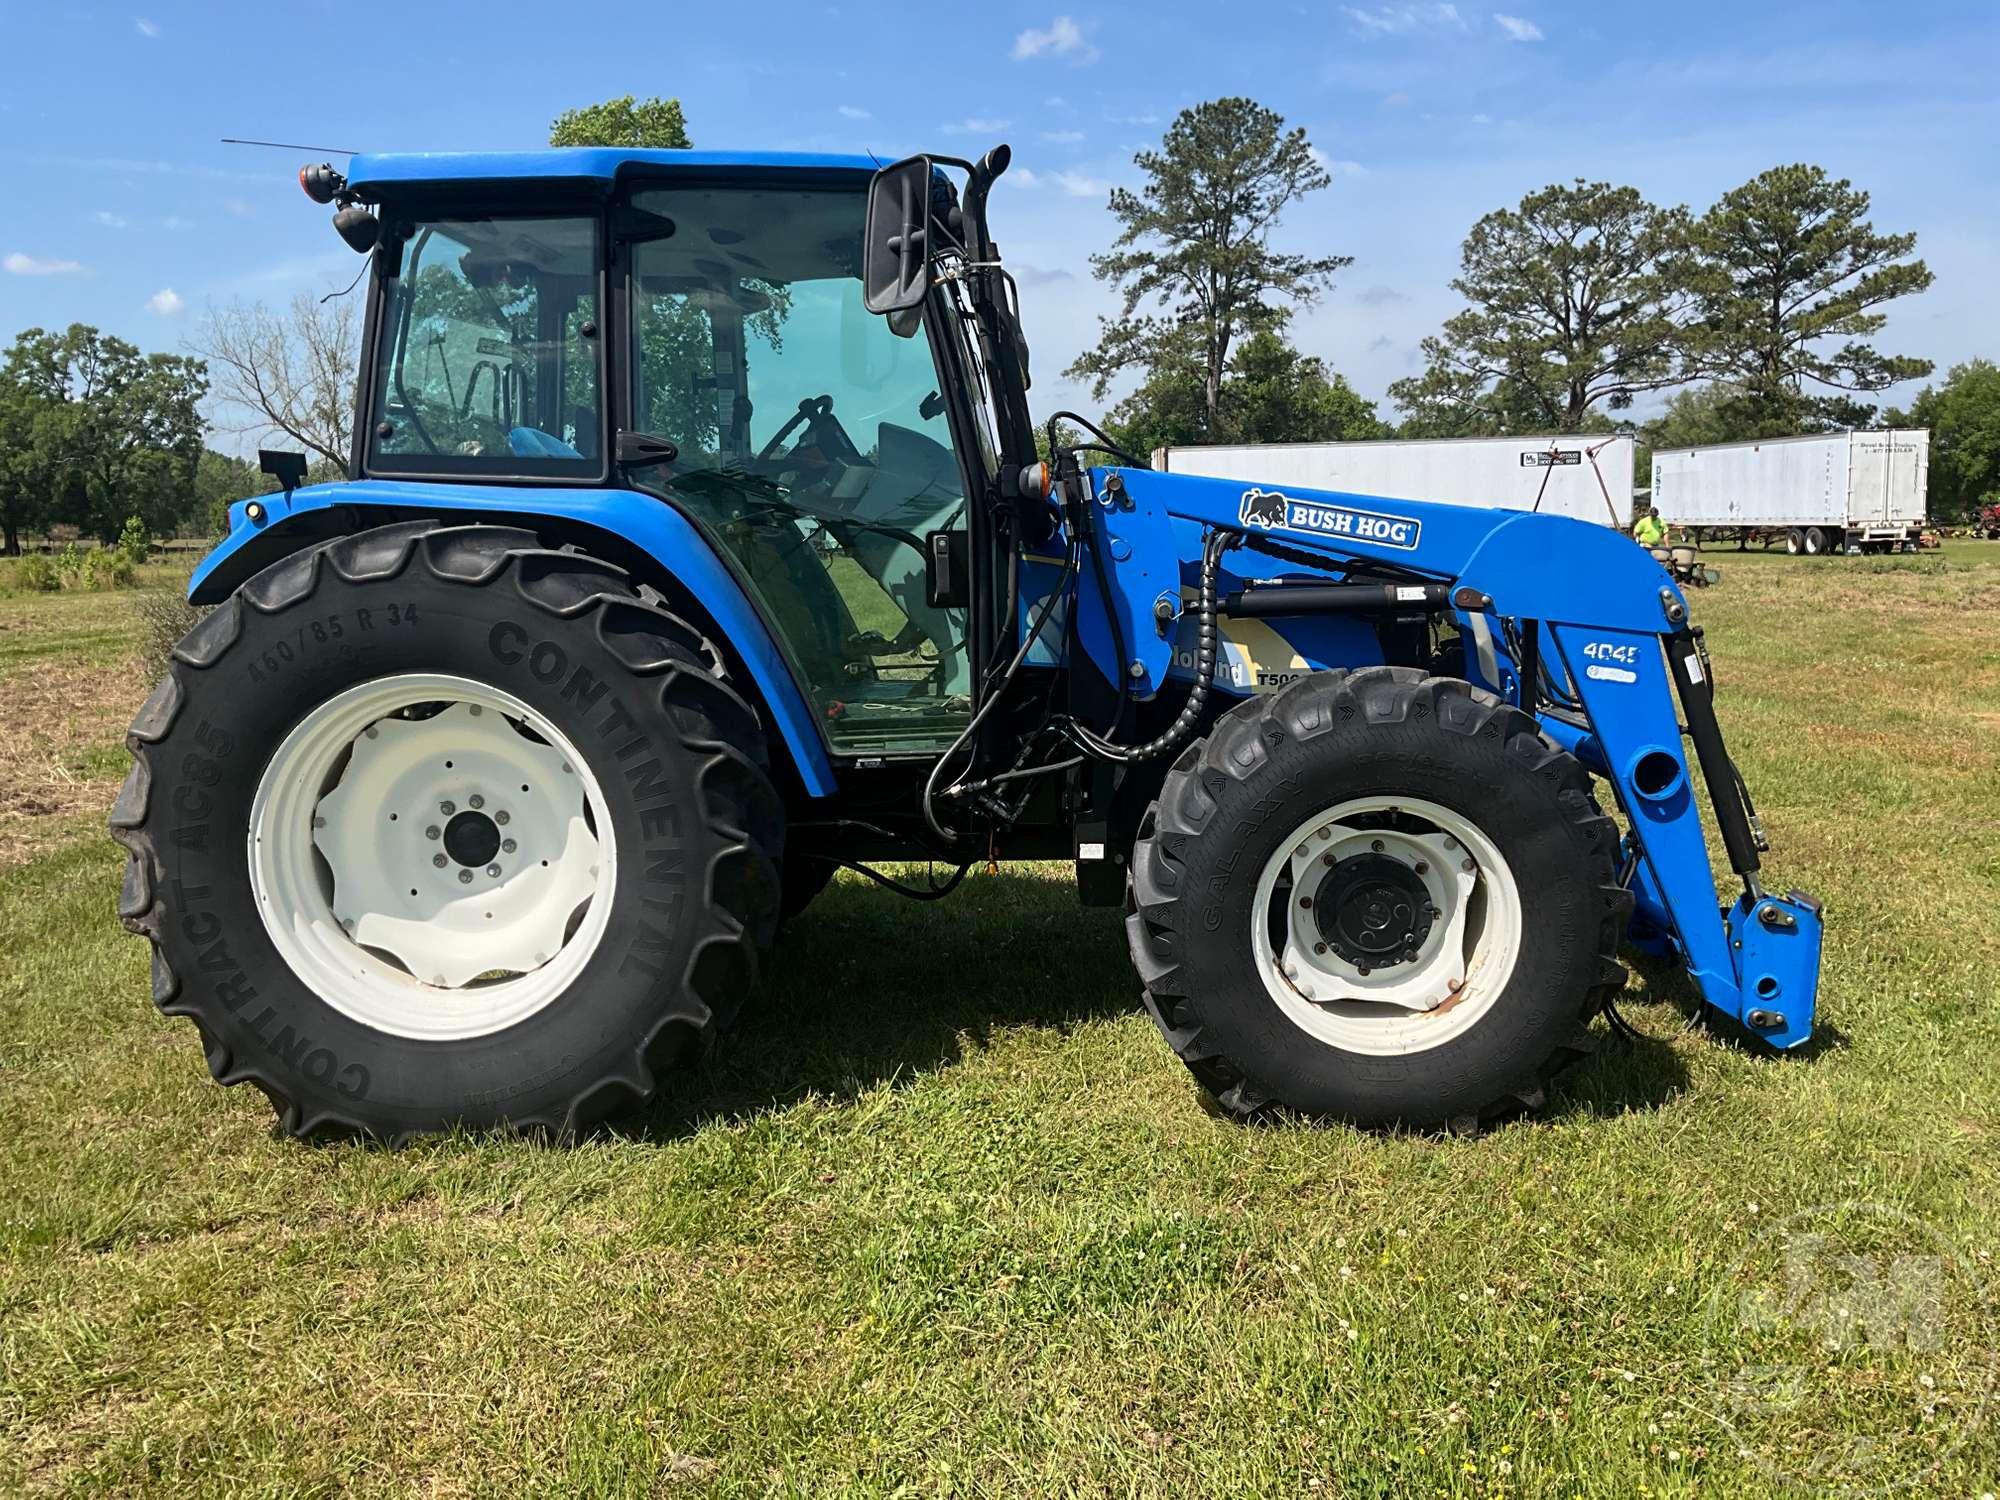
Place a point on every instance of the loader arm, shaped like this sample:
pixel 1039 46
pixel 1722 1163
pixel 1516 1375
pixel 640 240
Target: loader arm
pixel 1570 620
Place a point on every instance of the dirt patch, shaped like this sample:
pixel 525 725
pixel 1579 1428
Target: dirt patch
pixel 56 721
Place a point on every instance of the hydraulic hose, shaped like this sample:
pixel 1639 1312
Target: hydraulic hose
pixel 1206 653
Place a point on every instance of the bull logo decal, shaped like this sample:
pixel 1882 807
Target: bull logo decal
pixel 1272 510
pixel 1264 508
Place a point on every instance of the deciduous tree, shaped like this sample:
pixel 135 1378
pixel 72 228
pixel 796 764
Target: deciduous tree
pixel 1963 414
pixel 649 124
pixel 288 375
pixel 109 432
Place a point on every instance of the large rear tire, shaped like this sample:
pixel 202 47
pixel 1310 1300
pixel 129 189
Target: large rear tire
pixel 434 827
pixel 1377 896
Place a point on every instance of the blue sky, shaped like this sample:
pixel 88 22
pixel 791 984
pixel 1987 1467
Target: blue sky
pixel 121 209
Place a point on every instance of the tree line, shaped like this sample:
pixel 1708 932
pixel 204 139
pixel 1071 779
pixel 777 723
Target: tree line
pixel 1757 314
pixel 1754 318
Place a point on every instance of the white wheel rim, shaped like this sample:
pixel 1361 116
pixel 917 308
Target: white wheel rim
pixel 1400 1005
pixel 363 836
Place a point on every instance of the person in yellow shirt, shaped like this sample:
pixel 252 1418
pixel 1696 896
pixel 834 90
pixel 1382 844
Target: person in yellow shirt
pixel 1649 530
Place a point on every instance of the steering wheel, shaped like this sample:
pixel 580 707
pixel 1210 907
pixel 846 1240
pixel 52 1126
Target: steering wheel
pixel 817 412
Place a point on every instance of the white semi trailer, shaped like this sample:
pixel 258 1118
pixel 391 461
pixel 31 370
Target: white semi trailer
pixel 1826 492
pixel 1588 477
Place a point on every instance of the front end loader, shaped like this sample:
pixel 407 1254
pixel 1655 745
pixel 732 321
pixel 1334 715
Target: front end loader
pixel 697 543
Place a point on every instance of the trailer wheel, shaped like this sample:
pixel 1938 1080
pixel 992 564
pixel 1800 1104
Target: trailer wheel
pixel 432 827
pixel 1795 542
pixel 1380 897
pixel 1815 542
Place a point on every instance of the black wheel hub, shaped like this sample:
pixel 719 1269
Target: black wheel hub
pixel 1373 911
pixel 472 838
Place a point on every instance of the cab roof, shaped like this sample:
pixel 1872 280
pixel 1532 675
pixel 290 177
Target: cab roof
pixel 581 164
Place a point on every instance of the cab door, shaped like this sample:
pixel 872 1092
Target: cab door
pixel 815 446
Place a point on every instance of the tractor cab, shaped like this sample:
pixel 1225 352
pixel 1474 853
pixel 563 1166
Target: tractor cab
pixel 702 335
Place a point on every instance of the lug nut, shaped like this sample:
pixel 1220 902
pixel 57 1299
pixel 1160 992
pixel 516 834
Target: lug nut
pixel 1305 901
pixel 447 808
pixel 438 860
pixel 1376 845
pixel 494 871
pixel 476 709
pixel 1423 867
pixel 1326 858
pixel 465 877
pixel 475 800
pixel 433 832
pixel 501 818
pixel 1319 947
pixel 507 846
pixel 1468 867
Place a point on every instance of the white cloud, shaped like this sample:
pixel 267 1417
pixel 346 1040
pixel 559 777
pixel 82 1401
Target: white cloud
pixel 145 27
pixel 108 219
pixel 1400 20
pixel 166 302
pixel 1517 29
pixel 1023 176
pixel 1078 185
pixel 238 207
pixel 18 264
pixel 175 221
pixel 851 112
pixel 1133 119
pixel 974 125
pixel 1336 166
pixel 1063 38
pixel 1063 137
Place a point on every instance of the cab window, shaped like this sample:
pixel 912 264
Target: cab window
pixel 490 351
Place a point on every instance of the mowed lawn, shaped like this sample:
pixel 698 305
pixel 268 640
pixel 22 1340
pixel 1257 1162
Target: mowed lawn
pixel 945 1217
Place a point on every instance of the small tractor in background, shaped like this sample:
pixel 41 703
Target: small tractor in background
pixel 696 545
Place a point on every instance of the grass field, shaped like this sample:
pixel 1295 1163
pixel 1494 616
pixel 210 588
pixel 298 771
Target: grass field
pixel 945 1216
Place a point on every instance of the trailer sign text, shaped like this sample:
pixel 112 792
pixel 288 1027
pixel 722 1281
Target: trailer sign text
pixel 1274 511
pixel 1554 458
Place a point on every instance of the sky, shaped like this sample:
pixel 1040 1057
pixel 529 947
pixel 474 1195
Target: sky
pixel 119 206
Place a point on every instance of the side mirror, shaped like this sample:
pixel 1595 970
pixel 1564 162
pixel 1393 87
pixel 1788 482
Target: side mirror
pixel 896 244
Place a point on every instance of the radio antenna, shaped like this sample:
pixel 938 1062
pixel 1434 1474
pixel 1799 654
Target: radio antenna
pixel 230 140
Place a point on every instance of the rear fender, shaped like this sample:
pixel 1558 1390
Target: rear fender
pixel 642 527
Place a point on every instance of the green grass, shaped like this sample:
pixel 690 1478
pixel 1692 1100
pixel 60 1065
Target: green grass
pixel 945 1217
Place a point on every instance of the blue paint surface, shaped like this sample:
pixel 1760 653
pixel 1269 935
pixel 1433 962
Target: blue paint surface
pixel 644 520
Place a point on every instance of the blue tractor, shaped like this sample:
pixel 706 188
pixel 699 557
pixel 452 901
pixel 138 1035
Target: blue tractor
pixel 696 544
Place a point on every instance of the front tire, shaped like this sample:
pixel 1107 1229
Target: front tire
pixel 1383 792
pixel 434 827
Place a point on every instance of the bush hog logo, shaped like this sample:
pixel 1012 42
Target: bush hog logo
pixel 1275 511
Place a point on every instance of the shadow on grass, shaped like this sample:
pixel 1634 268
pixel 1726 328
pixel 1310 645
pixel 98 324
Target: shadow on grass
pixel 1663 980
pixel 1636 1072
pixel 865 988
